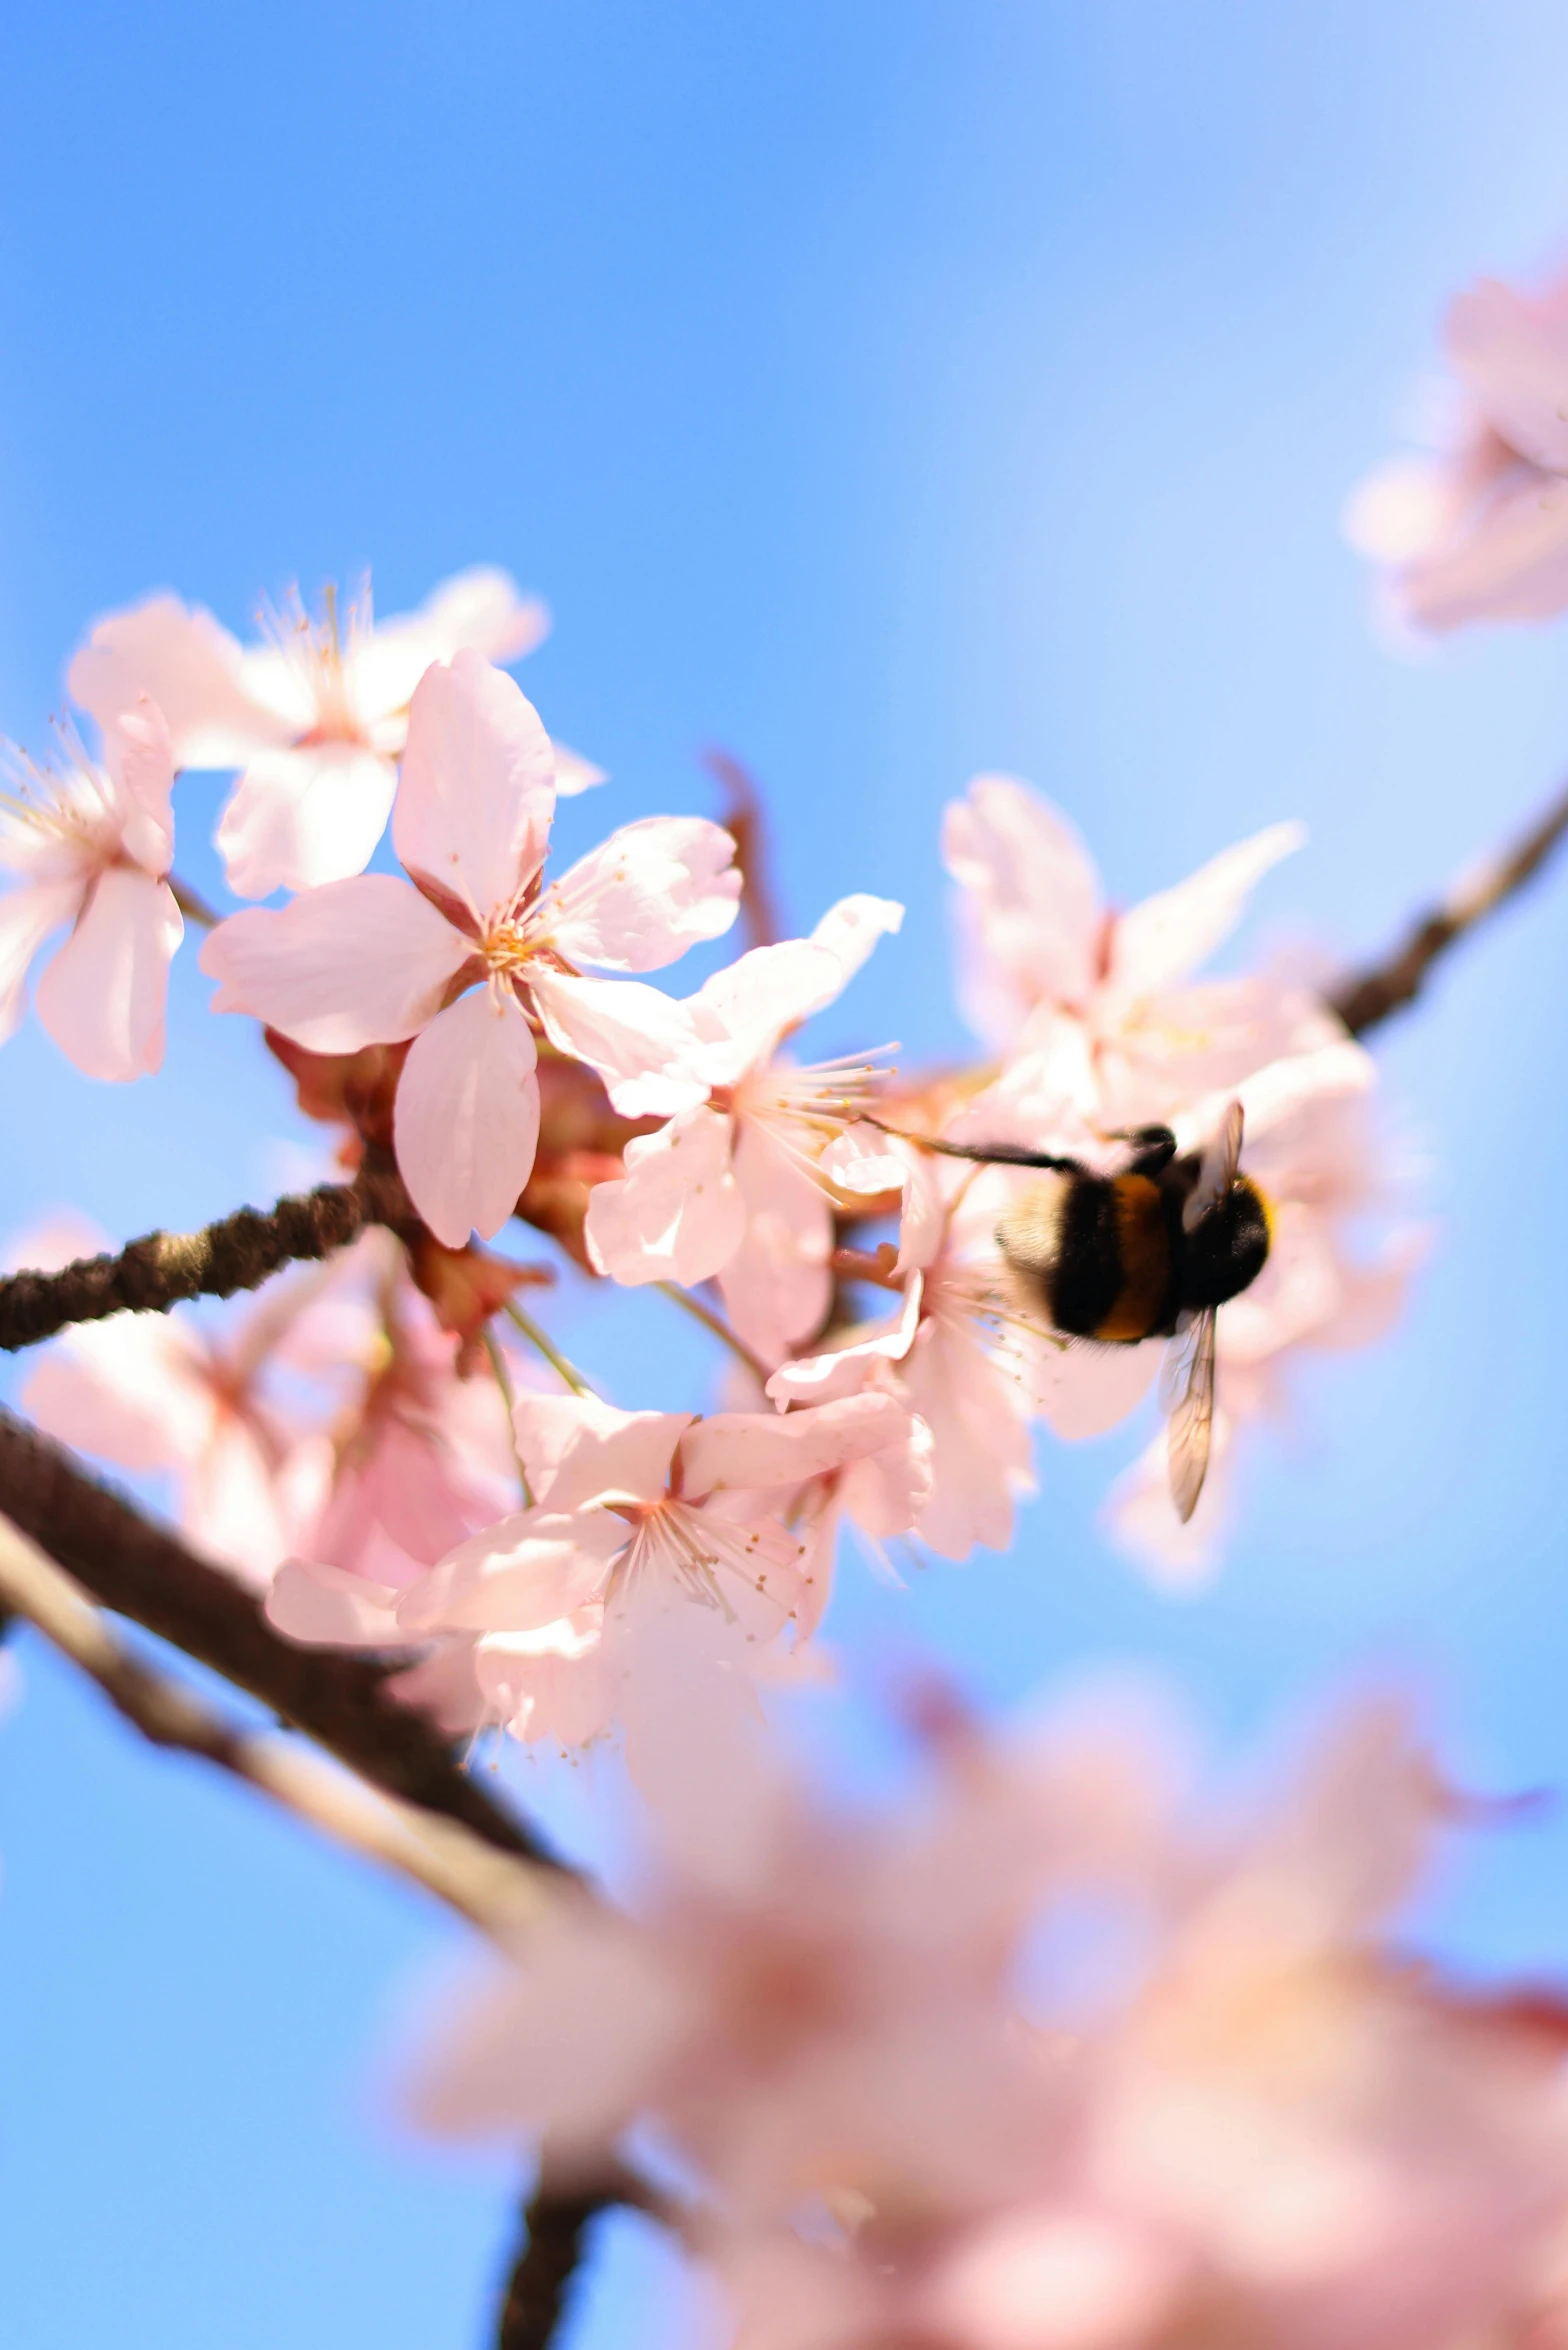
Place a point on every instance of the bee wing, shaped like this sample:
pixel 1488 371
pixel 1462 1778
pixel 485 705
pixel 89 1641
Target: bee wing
pixel 1187 1393
pixel 1216 1170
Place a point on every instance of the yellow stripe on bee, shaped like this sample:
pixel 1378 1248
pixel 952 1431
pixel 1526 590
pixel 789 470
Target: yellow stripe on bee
pixel 1145 1260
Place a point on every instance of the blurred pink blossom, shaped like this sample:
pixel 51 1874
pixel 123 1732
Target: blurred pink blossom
pixel 1481 532
pixel 476 955
pixel 91 845
pixel 315 717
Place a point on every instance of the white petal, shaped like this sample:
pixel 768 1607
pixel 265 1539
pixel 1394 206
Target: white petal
pixel 651 891
pixel 753 1451
pixel 578 1450
pixel 466 1123
pixel 324 1607
pixel 477 796
pixel 677 1213
pixel 481 607
pixel 27 915
pixel 851 929
pixel 1167 936
pixel 742 1012
pixel 298 818
pixel 1030 909
pixel 640 1040
pixel 189 666
pixel 776 1286
pixel 358 962
pixel 103 997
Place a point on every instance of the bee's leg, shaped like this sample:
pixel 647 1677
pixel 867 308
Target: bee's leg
pixel 989 1154
pixel 1154 1147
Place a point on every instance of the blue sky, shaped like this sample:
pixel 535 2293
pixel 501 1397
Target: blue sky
pixel 887 393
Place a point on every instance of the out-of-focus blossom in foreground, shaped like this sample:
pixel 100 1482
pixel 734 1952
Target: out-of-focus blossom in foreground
pixel 372 960
pixel 315 717
pixel 1049 2059
pixel 735 1186
pixel 1481 531
pixel 91 845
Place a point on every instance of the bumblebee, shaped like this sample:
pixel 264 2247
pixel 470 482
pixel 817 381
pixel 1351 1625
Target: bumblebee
pixel 1152 1251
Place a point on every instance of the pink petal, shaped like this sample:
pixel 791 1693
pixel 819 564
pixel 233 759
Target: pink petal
pixel 135 1390
pixel 641 1041
pixel 776 1285
pixel 189 666
pixel 572 2046
pixel 573 773
pixel 299 818
pixel 846 1370
pixel 1509 560
pixel 850 929
pixel 477 796
pixel 743 1011
pixel 1513 353
pixel 1167 936
pixel 677 1214
pixel 1083 1390
pixel 137 754
pixel 234 1509
pixel 322 1607
pixel 1030 910
pixel 651 891
pixel 358 962
pixel 481 607
pixel 552 1684
pixel 979 1427
pixel 753 1451
pixel 27 915
pixel 103 997
pixel 466 1122
pixel 578 1450
pixel 531 1570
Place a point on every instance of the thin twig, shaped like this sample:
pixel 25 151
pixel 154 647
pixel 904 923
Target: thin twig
pixel 192 904
pixel 143 1572
pixel 554 2222
pixel 1387 986
pixel 503 1379
pixel 239 1252
pixel 719 1327
pixel 745 819
pixel 567 1372
pixel 496 1891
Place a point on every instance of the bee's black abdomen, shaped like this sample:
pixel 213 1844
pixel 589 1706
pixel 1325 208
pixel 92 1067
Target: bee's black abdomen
pixel 1228 1250
pixel 1086 1280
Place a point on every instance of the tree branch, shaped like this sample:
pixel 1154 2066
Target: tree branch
pixel 555 2222
pixel 1370 996
pixel 495 1891
pixel 141 1571
pixel 239 1252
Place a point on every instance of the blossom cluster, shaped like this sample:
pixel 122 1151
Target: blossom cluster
pixel 486 1028
pixel 1054 2056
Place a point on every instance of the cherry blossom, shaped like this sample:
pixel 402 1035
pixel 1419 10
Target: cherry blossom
pixel 1481 531
pixel 153 1392
pixel 1096 1010
pixel 419 1458
pixel 634 1511
pixel 477 955
pixel 315 716
pixel 91 845
pixel 733 1187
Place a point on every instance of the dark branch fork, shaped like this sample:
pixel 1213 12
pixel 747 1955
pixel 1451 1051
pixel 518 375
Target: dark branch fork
pixel 140 1571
